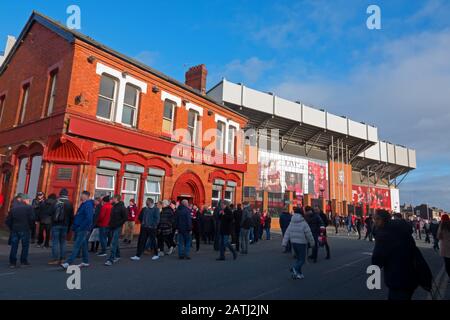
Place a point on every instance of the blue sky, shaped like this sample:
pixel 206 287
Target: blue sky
pixel 318 52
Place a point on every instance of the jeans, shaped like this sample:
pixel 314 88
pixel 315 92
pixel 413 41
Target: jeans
pixel 80 243
pixel 300 253
pixel 146 235
pixel 267 233
pixel 225 243
pixel 244 239
pixel 184 244
pixel 16 237
pixel 103 237
pixel 435 243
pixel 115 250
pixel 44 227
pixel 251 234
pixel 59 236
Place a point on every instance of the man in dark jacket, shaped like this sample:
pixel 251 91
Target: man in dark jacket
pixel 237 225
pixel 20 220
pixel 394 252
pixel 246 224
pixel 45 220
pixel 149 219
pixel 256 222
pixel 119 215
pixel 314 221
pixel 434 226
pixel 165 229
pixel 285 220
pixel 369 228
pixel 184 227
pixel 226 228
pixel 62 218
pixel 81 226
pixel 37 205
pixel 217 226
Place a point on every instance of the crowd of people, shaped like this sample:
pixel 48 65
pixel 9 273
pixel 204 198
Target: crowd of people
pixel 164 226
pixel 169 225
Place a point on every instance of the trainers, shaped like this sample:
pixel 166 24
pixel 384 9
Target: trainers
pixel 83 265
pixel 300 276
pixel 101 254
pixel 116 260
pixel 187 258
pixel 25 264
pixel 171 250
pixel 54 262
pixel 64 265
pixel 108 263
pixel 12 266
pixel 161 254
pixel 135 258
pixel 155 258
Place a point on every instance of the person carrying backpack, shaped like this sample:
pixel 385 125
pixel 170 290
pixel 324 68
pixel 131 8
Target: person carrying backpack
pixel 62 217
pixel 396 252
pixel 246 224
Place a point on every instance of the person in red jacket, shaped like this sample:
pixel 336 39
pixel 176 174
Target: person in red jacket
pixel 103 223
pixel 129 225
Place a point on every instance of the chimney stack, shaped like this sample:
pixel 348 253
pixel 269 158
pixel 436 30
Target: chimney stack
pixel 196 78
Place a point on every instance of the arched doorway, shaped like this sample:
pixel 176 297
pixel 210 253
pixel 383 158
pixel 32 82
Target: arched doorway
pixel 189 186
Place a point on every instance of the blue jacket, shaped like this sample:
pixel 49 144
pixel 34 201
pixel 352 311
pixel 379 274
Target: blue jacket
pixel 183 219
pixel 149 217
pixel 85 216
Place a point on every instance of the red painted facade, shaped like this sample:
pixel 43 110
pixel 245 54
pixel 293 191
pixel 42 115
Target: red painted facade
pixel 71 147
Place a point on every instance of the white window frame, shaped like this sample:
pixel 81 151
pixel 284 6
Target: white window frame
pixel 220 190
pixel 231 145
pixel 195 135
pixel 122 79
pixel 136 107
pixel 52 92
pixel 105 173
pixel 114 100
pixel 222 138
pixel 172 124
pixel 232 190
pixel 24 102
pixel 135 192
pixel 148 194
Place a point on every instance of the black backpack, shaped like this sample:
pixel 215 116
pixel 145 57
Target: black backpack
pixel 60 215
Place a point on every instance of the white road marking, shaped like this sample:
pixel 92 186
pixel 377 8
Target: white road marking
pixel 346 265
pixel 265 293
pixel 7 274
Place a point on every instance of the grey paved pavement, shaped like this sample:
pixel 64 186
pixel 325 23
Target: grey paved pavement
pixel 263 274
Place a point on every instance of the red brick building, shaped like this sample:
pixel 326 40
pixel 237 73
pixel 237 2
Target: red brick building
pixel 75 114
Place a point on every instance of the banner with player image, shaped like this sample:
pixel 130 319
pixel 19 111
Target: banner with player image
pixel 377 198
pixel 282 172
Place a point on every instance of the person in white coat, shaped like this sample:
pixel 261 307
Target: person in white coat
pixel 299 234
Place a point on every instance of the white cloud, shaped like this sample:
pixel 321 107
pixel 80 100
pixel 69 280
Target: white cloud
pixel 406 95
pixel 249 70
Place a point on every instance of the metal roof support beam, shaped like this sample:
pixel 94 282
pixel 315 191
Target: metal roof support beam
pixel 315 142
pixel 292 131
pixel 358 148
pixel 403 178
pixel 263 124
